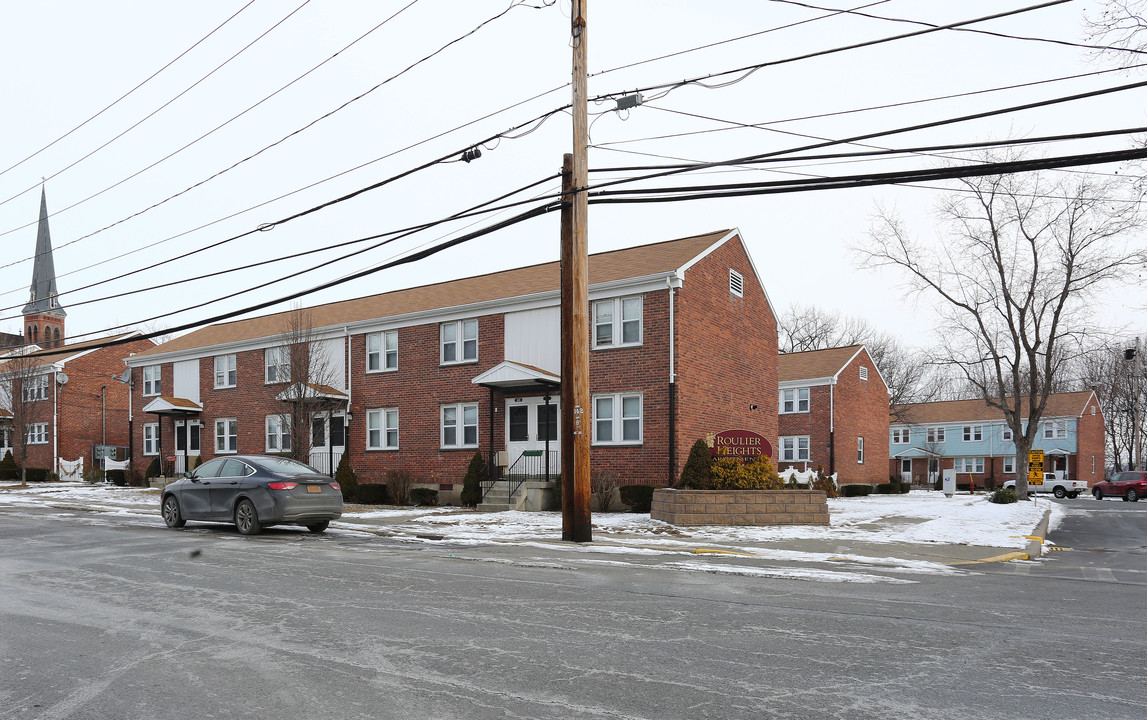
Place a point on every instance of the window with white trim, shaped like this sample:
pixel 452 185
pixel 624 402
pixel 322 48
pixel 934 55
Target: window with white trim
pixel 1006 434
pixel 226 373
pixel 736 283
pixel 859 451
pixel 901 435
pixel 278 433
pixel 459 341
pixel 617 419
pixel 459 425
pixel 35 388
pixel 617 322
pixel 277 365
pixel 1055 429
pixel 151 379
pixel 795 448
pixel 382 429
pixel 382 351
pixel 37 433
pixel 973 433
pixel 151 439
pixel 969 465
pixel 226 435
pixel 794 400
pixel 1009 463
pixel 934 434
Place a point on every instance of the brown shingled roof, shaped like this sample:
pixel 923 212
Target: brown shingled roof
pixel 68 351
pixel 603 267
pixel 814 363
pixel 1058 405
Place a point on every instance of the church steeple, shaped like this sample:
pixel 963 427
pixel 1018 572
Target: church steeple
pixel 43 315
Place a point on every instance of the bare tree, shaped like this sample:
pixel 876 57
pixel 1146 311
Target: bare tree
pixel 1120 390
pixel 1012 278
pixel 311 374
pixel 26 392
pixel 1119 25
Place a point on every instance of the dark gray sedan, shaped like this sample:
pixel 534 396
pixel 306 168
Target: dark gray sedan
pixel 253 491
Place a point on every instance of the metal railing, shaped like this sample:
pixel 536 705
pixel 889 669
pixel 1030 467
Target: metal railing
pixel 530 465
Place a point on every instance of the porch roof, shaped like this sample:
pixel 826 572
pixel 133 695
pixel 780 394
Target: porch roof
pixel 311 391
pixel 172 406
pixel 509 374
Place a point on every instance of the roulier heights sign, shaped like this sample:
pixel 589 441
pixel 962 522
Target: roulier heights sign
pixel 738 444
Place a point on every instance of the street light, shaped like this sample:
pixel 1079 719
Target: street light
pixel 1133 355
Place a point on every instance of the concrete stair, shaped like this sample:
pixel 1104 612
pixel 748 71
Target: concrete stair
pixel 499 499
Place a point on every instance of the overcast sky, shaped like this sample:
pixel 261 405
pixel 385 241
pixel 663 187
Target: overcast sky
pixel 127 190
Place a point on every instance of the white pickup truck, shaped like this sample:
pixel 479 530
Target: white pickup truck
pixel 1055 485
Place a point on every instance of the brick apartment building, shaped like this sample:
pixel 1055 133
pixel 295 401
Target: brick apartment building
pixel 833 414
pixel 973 438
pixel 683 344
pixel 69 400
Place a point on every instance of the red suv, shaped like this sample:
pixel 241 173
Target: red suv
pixel 1128 485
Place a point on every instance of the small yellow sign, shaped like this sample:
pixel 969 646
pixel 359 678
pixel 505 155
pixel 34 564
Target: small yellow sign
pixel 1035 467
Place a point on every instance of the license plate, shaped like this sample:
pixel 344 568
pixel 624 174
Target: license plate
pixel 314 488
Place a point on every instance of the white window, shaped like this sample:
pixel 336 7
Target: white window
pixel 225 373
pixel 935 434
pixel 382 429
pixel 859 451
pixel 226 435
pixel 736 283
pixel 460 425
pixel 617 321
pixel 969 465
pixel 901 435
pixel 151 439
pixel 278 433
pixel 973 433
pixel 459 341
pixel 277 364
pixel 151 376
pixel 35 388
pixel 1055 429
pixel 382 351
pixel 1006 434
pixel 795 448
pixel 794 401
pixel 6 439
pixel 1010 464
pixel 37 433
pixel 617 419
pixel 863 372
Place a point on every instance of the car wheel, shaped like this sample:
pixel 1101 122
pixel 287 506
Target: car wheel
pixel 1073 495
pixel 171 514
pixel 246 518
pixel 1059 492
pixel 1133 495
pixel 1097 493
pixel 319 526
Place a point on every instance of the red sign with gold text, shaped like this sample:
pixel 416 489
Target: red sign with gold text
pixel 739 444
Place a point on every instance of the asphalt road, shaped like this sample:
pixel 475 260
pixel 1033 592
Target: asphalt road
pixel 105 619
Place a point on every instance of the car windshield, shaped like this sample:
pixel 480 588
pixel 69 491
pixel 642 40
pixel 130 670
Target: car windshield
pixel 287 466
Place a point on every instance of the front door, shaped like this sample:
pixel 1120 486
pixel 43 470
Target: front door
pixel 906 470
pixel 186 443
pixel 328 440
pixel 529 421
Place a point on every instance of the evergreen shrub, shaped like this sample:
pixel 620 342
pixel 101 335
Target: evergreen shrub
pixel 425 497
pixel 116 477
pixel 371 494
pixel 1004 496
pixel 9 470
pixel 639 498
pixel 347 480
pixel 697 471
pixel 855 490
pixel 730 474
pixel 476 474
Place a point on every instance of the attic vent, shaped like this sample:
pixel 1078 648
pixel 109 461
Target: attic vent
pixel 863 372
pixel 736 283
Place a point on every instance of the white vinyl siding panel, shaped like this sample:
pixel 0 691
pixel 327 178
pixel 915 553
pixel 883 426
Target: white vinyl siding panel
pixel 533 337
pixel 185 380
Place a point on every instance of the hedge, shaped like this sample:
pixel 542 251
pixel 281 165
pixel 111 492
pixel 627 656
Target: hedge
pixel 639 498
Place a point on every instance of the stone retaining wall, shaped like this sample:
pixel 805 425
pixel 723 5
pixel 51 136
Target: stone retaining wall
pixel 740 507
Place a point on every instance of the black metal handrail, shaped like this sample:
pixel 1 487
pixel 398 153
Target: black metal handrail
pixel 530 465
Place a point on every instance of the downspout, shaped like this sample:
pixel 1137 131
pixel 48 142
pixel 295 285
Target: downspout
pixel 55 422
pixel 831 429
pixel 672 282
pixel 348 364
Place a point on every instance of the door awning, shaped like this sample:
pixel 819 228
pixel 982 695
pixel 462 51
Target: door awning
pixel 510 374
pixel 916 453
pixel 310 392
pixel 173 406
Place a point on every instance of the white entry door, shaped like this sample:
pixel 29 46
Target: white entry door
pixel 906 470
pixel 528 422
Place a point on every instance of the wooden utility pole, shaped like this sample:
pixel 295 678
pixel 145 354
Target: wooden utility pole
pixel 576 415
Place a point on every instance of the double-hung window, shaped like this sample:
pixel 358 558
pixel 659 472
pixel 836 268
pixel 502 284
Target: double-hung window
pixel 459 341
pixel 226 435
pixel 795 448
pixel 460 425
pixel 151 377
pixel 617 419
pixel 859 451
pixel 1006 434
pixel 35 388
pixel 1009 463
pixel 278 433
pixel 969 465
pixel 382 351
pixel 901 435
pixel 794 400
pixel 277 364
pixel 37 433
pixel 973 433
pixel 151 439
pixel 226 375
pixel 382 429
pixel 934 434
pixel 617 322
pixel 1055 429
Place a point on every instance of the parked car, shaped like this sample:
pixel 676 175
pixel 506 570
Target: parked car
pixel 1055 484
pixel 253 491
pixel 1130 486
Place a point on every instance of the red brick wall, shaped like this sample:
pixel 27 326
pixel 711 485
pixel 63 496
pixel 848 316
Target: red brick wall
pixel 726 353
pixel 861 411
pixel 1091 445
pixel 815 423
